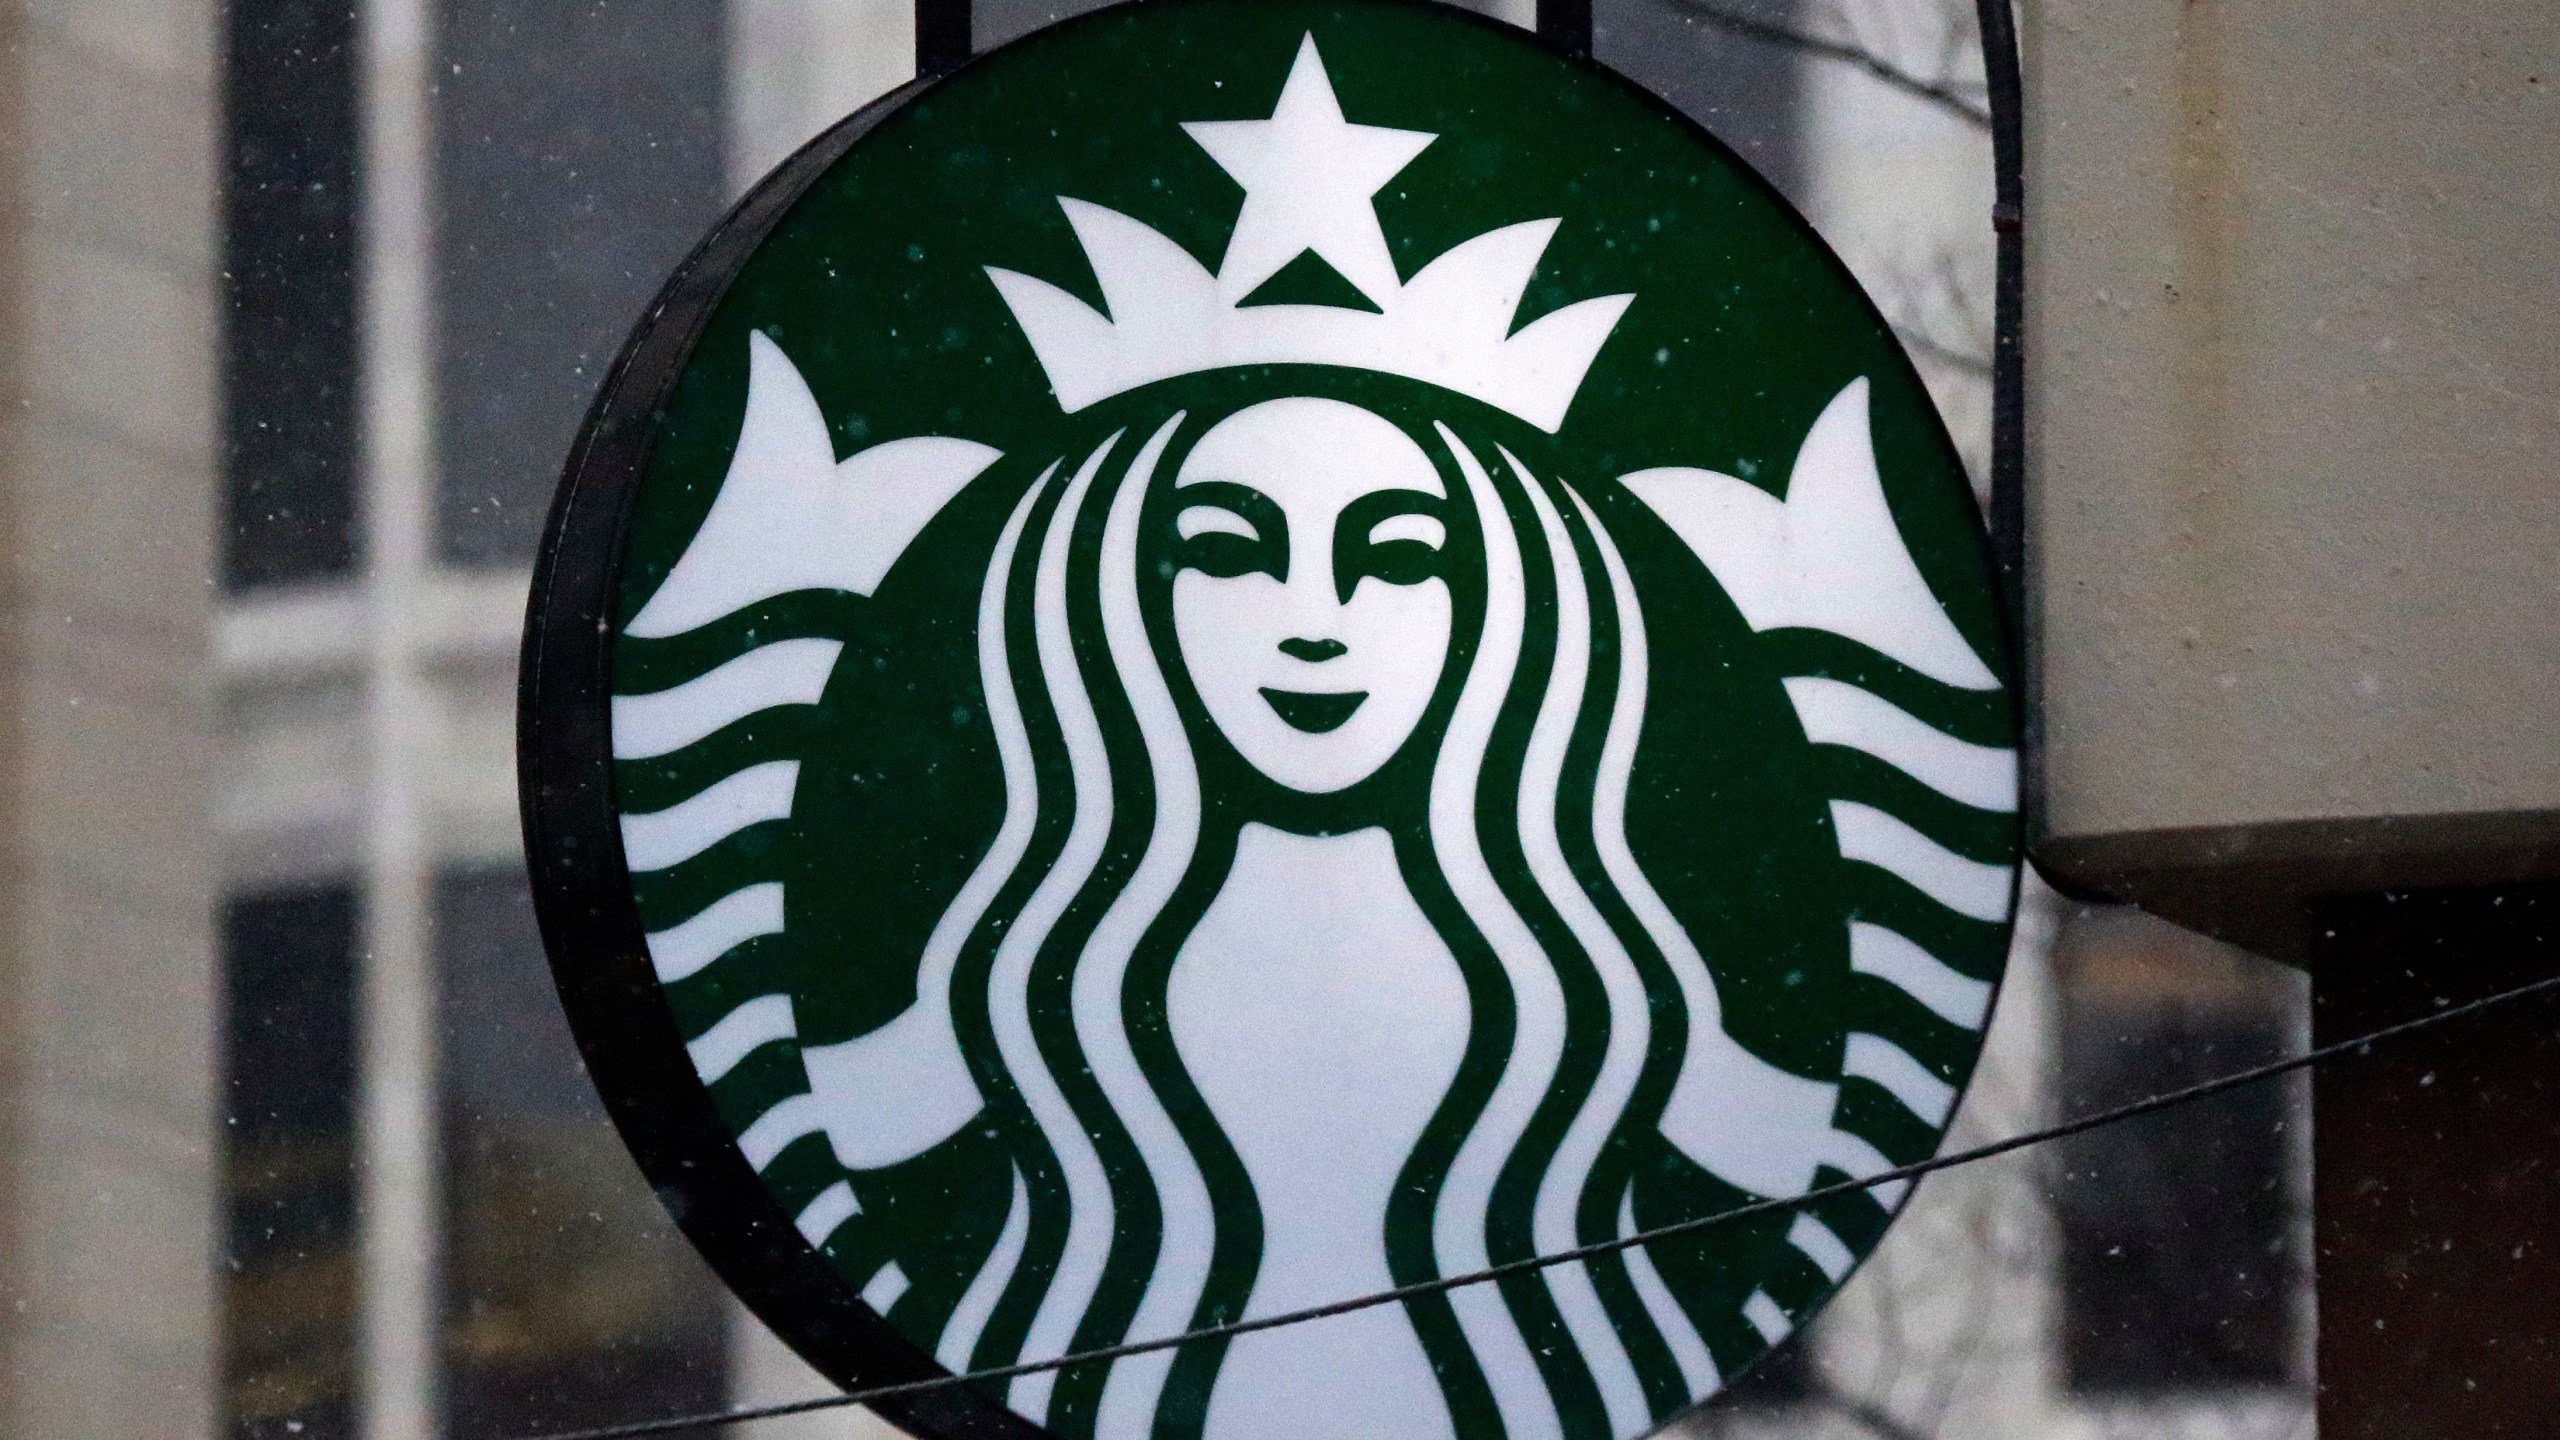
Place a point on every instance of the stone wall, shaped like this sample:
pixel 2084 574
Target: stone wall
pixel 107 455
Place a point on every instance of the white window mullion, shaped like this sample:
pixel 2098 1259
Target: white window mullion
pixel 401 1272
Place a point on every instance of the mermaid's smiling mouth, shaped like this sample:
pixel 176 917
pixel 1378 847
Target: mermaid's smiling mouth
pixel 1312 711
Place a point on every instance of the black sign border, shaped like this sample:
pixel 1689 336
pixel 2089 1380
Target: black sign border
pixel 582 891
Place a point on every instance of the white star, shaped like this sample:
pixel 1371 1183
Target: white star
pixel 1307 177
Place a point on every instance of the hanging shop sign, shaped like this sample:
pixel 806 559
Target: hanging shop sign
pixel 1253 651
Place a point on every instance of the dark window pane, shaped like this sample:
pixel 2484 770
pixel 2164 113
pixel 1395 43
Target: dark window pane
pixel 569 1298
pixel 578 158
pixel 289 292
pixel 288 1175
pixel 1744 91
pixel 1759 1403
pixel 1785 1376
pixel 993 22
pixel 2176 1228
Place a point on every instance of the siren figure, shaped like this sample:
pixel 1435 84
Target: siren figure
pixel 1277 617
pixel 1309 953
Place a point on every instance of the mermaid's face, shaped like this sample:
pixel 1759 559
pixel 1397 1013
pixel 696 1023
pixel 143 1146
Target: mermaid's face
pixel 1310 602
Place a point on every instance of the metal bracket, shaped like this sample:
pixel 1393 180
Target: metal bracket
pixel 942 37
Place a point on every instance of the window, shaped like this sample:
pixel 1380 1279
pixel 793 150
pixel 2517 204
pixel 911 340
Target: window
pixel 1785 1376
pixel 289 292
pixel 578 157
pixel 1742 90
pixel 2177 1245
pixel 569 1298
pixel 288 1265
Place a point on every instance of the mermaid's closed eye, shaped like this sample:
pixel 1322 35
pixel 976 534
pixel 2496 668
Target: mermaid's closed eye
pixel 1198 520
pixel 1225 529
pixel 1412 526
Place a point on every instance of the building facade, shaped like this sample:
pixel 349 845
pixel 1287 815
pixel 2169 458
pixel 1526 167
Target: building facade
pixel 300 305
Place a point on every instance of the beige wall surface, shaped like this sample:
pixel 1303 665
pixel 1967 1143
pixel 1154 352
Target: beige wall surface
pixel 106 975
pixel 2293 280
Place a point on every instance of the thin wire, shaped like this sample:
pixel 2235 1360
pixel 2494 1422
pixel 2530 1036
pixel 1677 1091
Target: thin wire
pixel 2356 1045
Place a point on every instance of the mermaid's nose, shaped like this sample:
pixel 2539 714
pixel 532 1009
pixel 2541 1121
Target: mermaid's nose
pixel 1297 649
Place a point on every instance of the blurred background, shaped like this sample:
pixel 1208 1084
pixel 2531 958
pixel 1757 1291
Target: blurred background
pixel 300 306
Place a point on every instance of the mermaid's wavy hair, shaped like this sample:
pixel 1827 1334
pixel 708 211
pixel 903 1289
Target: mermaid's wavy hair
pixel 1132 1215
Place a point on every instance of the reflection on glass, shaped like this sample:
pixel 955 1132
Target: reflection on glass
pixel 288 317
pixel 288 1265
pixel 1745 91
pixel 569 1300
pixel 578 157
pixel 2177 1245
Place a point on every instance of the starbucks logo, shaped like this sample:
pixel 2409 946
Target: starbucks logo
pixel 1256 651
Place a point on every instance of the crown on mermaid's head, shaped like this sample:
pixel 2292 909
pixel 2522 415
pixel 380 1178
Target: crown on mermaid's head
pixel 1308 177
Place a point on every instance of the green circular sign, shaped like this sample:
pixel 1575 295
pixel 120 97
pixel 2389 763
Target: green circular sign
pixel 1254 651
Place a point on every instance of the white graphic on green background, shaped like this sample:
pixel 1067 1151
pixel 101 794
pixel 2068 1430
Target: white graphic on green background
pixel 1255 790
